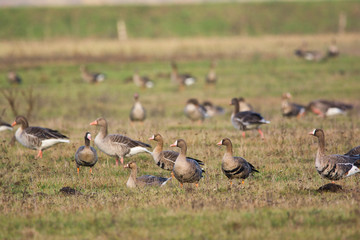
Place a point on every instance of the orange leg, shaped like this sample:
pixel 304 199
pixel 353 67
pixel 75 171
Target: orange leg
pixel 90 170
pixel 243 134
pixel 172 175
pixel 122 160
pixel 197 185
pixel 230 183
pixel 181 185
pixel 242 182
pixel 39 154
pixel 261 133
pixel 78 170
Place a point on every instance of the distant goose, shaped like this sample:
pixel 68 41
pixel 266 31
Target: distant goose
pixel 244 106
pixel 13 78
pixel 308 55
pixel 211 77
pixel 234 167
pixel 142 81
pixel 166 159
pixel 37 137
pixel 212 110
pixel 5 126
pixel 194 110
pixel 116 145
pixel 137 112
pixel 354 151
pixel 86 155
pixel 247 120
pixel 290 109
pixel 325 108
pixel 186 170
pixel 91 77
pixel 334 167
pixel 181 80
pixel 143 181
pixel 333 50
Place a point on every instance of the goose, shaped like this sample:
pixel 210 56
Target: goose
pixel 290 109
pixel 211 77
pixel 186 170
pixel 116 145
pixel 166 159
pixel 181 79
pixel 91 77
pixel 143 181
pixel 234 167
pixel 37 137
pixel 325 108
pixel 212 110
pixel 243 105
pixel 333 167
pixel 13 78
pixel 247 120
pixel 86 155
pixel 142 81
pixel 333 50
pixel 309 55
pixel 354 151
pixel 5 126
pixel 194 111
pixel 137 112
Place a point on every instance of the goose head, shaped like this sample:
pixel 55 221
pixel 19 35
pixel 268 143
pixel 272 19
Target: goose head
pixel 130 165
pixel 193 101
pixel 225 141
pixel 180 143
pixel 156 137
pixel 20 120
pixel 317 133
pixel 99 122
pixel 234 101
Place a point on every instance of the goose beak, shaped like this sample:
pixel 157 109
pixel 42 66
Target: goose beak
pixel 126 166
pixel 13 124
pixel 174 144
pixel 93 123
pixel 219 143
pixel 152 138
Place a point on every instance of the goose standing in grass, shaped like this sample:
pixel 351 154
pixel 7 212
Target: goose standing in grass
pixel 212 110
pixel 13 78
pixel 211 77
pixel 333 167
pixel 38 138
pixel 246 120
pixel 86 155
pixel 166 159
pixel 290 109
pixel 91 77
pixel 234 167
pixel 325 108
pixel 5 126
pixel 142 81
pixel 181 80
pixel 186 170
pixel 137 112
pixel 244 106
pixel 354 151
pixel 333 50
pixel 195 111
pixel 116 145
pixel 308 55
pixel 143 181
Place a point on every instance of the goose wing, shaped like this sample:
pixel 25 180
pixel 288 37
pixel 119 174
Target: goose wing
pixel 44 133
pixel 124 140
pixel 248 117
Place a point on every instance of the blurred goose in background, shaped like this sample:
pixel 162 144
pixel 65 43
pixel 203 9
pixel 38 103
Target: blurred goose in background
pixel 212 110
pixel 137 112
pixel 5 126
pixel 290 109
pixel 309 55
pixel 244 106
pixel 142 81
pixel 143 181
pixel 333 50
pixel 116 145
pixel 166 159
pixel 354 151
pixel 247 120
pixel 181 80
pixel 325 108
pixel 91 77
pixel 194 110
pixel 234 167
pixel 13 78
pixel 211 77
pixel 86 155
pixel 333 167
pixel 186 170
pixel 37 137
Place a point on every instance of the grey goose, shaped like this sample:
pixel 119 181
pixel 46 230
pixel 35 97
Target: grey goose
pixel 212 110
pixel 91 77
pixel 326 108
pixel 195 111
pixel 137 112
pixel 211 77
pixel 38 138
pixel 290 109
pixel 5 126
pixel 142 81
pixel 86 156
pixel 182 80
pixel 13 78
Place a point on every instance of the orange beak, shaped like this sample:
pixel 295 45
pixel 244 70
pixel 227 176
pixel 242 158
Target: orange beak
pixel 13 124
pixel 311 133
pixel 152 138
pixel 219 143
pixel 93 123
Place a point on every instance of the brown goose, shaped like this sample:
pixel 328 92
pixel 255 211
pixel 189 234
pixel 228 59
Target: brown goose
pixel 37 137
pixel 116 145
pixel 234 167
pixel 186 170
pixel 181 80
pixel 244 106
pixel 309 55
pixel 212 110
pixel 325 108
pixel 13 78
pixel 194 110
pixel 137 112
pixel 247 120
pixel 166 159
pixel 142 81
pixel 143 181
pixel 333 50
pixel 86 155
pixel 334 167
pixel 290 109
pixel 354 151
pixel 5 126
pixel 91 77
pixel 211 78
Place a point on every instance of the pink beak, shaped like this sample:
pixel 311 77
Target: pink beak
pixel 311 133
pixel 93 123
pixel 219 143
pixel 152 138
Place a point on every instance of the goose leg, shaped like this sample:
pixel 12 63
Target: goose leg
pixel 39 154
pixel 243 134
pixel 122 160
pixel 181 185
pixel 117 161
pixel 230 183
pixel 172 175
pixel 90 170
pixel 197 185
pixel 261 133
pixel 78 170
pixel 242 182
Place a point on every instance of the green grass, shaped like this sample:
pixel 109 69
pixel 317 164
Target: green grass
pixel 220 19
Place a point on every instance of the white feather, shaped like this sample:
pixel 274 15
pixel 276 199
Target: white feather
pixel 352 171
pixel 149 84
pixel 164 183
pixel 50 142
pixel 4 128
pixel 189 81
pixel 334 111
pixel 136 150
pixel 100 77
